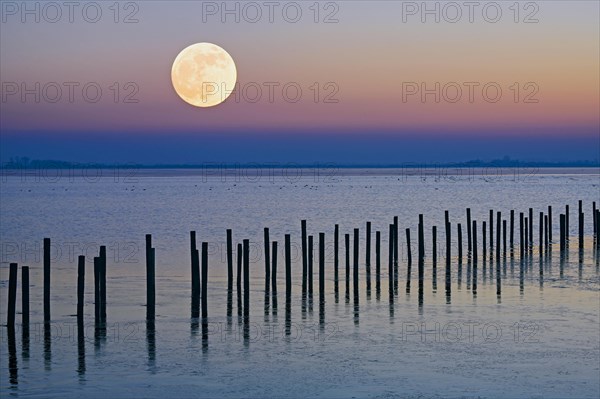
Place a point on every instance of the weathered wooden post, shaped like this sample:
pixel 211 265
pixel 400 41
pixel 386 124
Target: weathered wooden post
pixel 562 233
pixel 474 283
pixel 541 233
pixel 396 244
pixel 195 267
pixel 310 265
pixel 530 241
pixel 246 256
pixel 12 296
pixel 240 260
pixel 288 267
pixel 460 242
pixel 322 267
pixel 550 224
pixel 150 273
pixel 567 234
pixel 336 263
pixel 408 248
pixel 274 269
pixel 103 281
pixel 368 257
pixel 96 289
pixel 434 244
pixel 483 238
pixel 469 229
pixel 378 262
pixel 512 229
pixel 498 228
pixel 521 234
pixel 229 259
pixel 25 297
pixel 80 285
pixel 504 236
pixel 581 224
pixel 355 249
pixel 491 231
pixel 347 242
pixel 46 280
pixel 267 246
pixel 304 256
pixel 391 262
pixel 204 281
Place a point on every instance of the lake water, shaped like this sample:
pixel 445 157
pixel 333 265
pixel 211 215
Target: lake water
pixel 537 335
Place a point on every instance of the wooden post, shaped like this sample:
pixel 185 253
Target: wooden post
pixel 469 229
pixel 246 256
pixel 274 268
pixel 448 238
pixel 368 253
pixel 483 238
pixel 25 297
pixel 498 228
pixel 80 285
pixel 267 258
pixel 512 228
pixel 581 224
pixel 336 263
pixel 150 271
pixel 195 271
pixel 595 230
pixel 421 238
pixel 347 242
pixel 396 244
pixel 541 232
pixel 504 236
pixel 196 281
pixel 46 280
pixel 550 224
pixel 391 261
pixel 96 289
pixel 448 255
pixel 491 230
pixel 12 296
pixel 434 244
pixel 355 249
pixel 204 281
pixel 474 283
pixel 240 259
pixel 310 264
pixel 322 267
pixel 103 282
pixel 526 234
pixel 288 267
pixel 229 258
pixel 530 241
pixel 562 233
pixel 304 256
pixel 378 261
pixel 546 230
pixel 460 243
pixel 408 249
pixel 521 234
pixel 567 234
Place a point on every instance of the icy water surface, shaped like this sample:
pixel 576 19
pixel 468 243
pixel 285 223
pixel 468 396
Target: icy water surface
pixel 531 329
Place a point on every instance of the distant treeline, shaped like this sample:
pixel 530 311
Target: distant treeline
pixel 26 163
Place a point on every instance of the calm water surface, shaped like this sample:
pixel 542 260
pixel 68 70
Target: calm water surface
pixel 530 330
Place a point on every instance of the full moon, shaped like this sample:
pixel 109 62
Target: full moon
pixel 203 75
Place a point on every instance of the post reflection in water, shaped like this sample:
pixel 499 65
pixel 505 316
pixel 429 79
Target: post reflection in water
pixel 25 337
pixel 81 348
pixel 47 347
pixel 151 344
pixel 13 368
